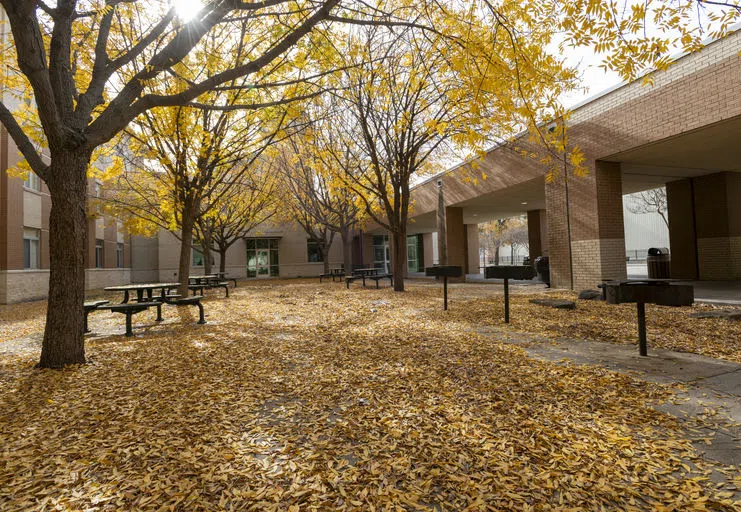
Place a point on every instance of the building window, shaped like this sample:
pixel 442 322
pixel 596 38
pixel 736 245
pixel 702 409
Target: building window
pixel 381 252
pixel 197 258
pixel 32 182
pixel 413 253
pixel 31 248
pixel 99 253
pixel 314 254
pixel 119 255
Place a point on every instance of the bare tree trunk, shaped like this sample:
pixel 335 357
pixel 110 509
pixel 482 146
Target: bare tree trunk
pixel 496 254
pixel 399 258
pixel 346 235
pixel 222 258
pixel 64 342
pixel 186 242
pixel 206 248
pixel 325 256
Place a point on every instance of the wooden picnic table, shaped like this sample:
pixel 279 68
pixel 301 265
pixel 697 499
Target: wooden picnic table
pixel 208 279
pixel 140 289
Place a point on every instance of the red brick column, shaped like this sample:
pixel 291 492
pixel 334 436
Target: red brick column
pixel 597 231
pixel 682 236
pixel 472 249
pixel 537 233
pixel 457 239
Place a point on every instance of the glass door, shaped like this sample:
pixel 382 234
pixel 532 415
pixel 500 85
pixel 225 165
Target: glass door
pixel 263 262
pixel 412 254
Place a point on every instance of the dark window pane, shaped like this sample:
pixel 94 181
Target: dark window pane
pixel 274 257
pixel 26 253
pixel 250 242
pixel 274 271
pixel 274 243
pixel 314 255
pixel 263 243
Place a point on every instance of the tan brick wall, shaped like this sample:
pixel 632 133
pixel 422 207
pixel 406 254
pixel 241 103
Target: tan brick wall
pixel 23 285
pixel 598 260
pixel 99 278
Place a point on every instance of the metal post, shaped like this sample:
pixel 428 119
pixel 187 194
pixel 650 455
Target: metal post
pixel 445 293
pixel 642 348
pixel 506 300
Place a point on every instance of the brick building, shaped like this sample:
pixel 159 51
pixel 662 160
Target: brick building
pixel 683 132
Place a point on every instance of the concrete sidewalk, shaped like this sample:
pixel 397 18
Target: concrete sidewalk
pixel 713 386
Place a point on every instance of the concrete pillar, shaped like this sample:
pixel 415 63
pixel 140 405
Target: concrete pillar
pixel 682 236
pixel 537 233
pixel 597 232
pixel 706 208
pixel 427 249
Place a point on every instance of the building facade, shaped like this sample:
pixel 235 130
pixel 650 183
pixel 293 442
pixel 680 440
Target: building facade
pixel 681 132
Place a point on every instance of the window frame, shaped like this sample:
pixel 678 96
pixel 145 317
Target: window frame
pixel 99 253
pixel 32 182
pixel 119 255
pixel 31 241
pixel 194 255
pixel 312 246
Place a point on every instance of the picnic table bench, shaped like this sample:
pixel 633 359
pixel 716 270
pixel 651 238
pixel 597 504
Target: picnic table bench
pixel 223 277
pixel 92 306
pixel 374 274
pixel 199 283
pixel 141 304
pixel 335 273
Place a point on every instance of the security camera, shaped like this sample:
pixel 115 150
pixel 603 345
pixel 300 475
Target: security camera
pixel 440 182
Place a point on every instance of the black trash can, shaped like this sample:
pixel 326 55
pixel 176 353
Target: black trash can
pixel 543 268
pixel 659 263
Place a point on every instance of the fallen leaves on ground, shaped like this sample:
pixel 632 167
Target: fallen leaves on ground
pixel 301 396
pixel 667 327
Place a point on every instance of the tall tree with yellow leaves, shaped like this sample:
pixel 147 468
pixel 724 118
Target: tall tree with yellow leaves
pixel 249 202
pixel 315 196
pixel 405 98
pixel 93 66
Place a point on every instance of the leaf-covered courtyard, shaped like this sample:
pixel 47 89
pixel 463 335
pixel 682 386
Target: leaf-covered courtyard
pixel 301 396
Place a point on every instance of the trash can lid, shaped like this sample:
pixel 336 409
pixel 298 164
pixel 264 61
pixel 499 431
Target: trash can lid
pixel 658 251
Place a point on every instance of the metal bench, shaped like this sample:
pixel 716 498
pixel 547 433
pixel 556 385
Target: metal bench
pixel 132 308
pixel 378 277
pixel 177 300
pixel 333 275
pixel 92 306
pixel 354 277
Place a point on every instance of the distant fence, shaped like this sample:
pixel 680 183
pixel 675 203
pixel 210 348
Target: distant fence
pixel 637 255
pixel 632 256
pixel 508 260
